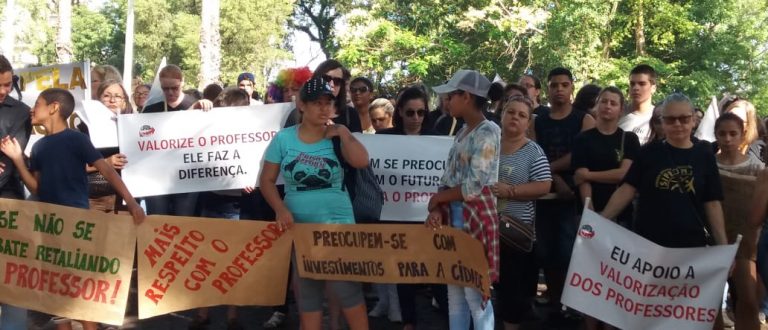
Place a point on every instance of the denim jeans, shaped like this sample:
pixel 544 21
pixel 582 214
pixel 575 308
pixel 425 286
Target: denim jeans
pixel 465 305
pixel 176 204
pixel 13 318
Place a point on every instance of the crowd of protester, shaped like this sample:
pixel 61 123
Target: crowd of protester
pixel 525 154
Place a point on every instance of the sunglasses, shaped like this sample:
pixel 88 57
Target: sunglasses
pixel 336 80
pixel 670 120
pixel 411 113
pixel 355 90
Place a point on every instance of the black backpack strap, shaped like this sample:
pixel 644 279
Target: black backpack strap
pixel 344 166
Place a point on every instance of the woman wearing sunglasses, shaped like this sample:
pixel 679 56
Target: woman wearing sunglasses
pixel 399 301
pixel 410 111
pixel 678 185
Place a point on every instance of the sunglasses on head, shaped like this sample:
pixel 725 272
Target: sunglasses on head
pixel 670 120
pixel 336 80
pixel 411 113
pixel 355 90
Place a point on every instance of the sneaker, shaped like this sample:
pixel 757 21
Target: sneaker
pixel 761 315
pixel 275 321
pixel 379 310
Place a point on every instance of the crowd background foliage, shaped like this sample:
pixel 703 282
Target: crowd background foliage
pixel 703 48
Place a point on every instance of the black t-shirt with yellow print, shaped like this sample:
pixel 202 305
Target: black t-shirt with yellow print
pixel 673 185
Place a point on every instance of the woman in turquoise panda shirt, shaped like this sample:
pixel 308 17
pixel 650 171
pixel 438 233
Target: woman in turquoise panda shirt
pixel 313 192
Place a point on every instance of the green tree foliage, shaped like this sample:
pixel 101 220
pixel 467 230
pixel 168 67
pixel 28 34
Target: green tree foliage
pixel 702 48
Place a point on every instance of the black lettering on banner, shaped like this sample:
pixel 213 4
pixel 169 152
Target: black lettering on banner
pixel 375 162
pixel 391 163
pixel 236 154
pixel 412 269
pixel 392 180
pixel 343 267
pixel 440 270
pixel 380 179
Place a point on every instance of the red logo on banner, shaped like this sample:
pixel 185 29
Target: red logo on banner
pixel 587 232
pixel 146 130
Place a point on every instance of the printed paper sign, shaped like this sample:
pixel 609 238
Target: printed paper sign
pixel 187 263
pixel 65 261
pixel 408 170
pixel 186 151
pixel 631 283
pixel 390 254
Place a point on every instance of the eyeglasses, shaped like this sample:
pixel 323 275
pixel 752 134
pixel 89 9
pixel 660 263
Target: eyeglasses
pixel 170 88
pixel 141 94
pixel 336 80
pixel 112 97
pixel 411 113
pixel 670 120
pixel 355 90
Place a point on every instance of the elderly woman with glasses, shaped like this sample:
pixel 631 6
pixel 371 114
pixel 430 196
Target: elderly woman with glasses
pixel 100 195
pixel 678 184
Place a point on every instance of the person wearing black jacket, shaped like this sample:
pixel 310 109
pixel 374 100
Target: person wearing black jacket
pixel 14 122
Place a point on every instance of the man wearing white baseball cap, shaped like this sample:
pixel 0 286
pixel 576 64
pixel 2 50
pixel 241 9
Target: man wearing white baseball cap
pixel 465 189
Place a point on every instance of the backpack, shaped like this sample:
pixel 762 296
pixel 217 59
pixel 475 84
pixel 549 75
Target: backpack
pixel 364 192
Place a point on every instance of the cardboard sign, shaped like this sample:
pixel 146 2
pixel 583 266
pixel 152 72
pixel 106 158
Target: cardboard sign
pixel 186 151
pixel 65 261
pixel 408 170
pixel 390 254
pixel 187 263
pixel 74 77
pixel 629 282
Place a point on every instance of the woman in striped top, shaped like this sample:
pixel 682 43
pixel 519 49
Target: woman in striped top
pixel 524 176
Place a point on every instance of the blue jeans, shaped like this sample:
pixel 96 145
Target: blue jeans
pixel 175 204
pixel 13 318
pixel 465 304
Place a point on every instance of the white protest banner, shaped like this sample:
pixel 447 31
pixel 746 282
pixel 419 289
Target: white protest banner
pixel 186 151
pixel 408 169
pixel 631 283
pixel 102 124
pixel 70 76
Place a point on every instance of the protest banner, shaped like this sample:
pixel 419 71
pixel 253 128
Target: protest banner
pixel 629 282
pixel 408 170
pixel 738 188
pixel 186 151
pixel 390 254
pixel 65 261
pixel 186 263
pixel 70 76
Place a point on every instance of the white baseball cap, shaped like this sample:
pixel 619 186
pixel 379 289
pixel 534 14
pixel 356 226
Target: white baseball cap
pixel 469 81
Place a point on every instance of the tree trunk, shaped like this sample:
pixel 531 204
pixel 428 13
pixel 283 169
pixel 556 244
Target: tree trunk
pixel 640 29
pixel 210 44
pixel 64 32
pixel 607 31
pixel 9 32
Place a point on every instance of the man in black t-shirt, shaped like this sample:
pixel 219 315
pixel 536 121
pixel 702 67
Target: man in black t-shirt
pixel 556 220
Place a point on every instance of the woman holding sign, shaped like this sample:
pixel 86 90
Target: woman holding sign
pixel 411 109
pixel 313 180
pixel 678 184
pixel 524 176
pixel 471 169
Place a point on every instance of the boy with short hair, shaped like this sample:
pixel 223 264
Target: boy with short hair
pixel 57 162
pixel 642 86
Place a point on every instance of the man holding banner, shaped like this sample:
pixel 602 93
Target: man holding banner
pixel 14 121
